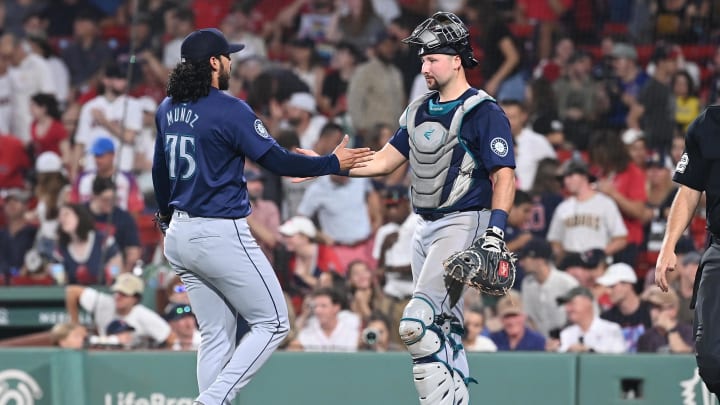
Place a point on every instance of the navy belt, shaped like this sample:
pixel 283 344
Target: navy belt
pixel 185 214
pixel 434 216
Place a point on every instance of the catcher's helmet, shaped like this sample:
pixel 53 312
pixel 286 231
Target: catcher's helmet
pixel 443 33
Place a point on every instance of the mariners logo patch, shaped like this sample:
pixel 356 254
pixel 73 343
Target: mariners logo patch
pixel 682 163
pixel 499 146
pixel 260 128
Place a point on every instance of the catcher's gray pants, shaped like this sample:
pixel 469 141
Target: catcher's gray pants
pixel 433 242
pixel 227 274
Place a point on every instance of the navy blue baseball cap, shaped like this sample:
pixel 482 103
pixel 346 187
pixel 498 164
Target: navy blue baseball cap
pixel 118 326
pixel 204 43
pixel 177 311
pixel 537 248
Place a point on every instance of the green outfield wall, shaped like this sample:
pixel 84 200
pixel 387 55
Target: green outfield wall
pixel 51 376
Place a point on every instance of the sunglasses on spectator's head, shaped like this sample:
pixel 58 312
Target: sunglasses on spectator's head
pixel 180 288
pixel 183 310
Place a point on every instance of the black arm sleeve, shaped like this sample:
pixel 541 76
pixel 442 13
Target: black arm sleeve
pixel 281 162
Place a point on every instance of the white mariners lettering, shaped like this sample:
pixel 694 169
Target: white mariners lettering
pixel 260 128
pixel 682 163
pixel 499 146
pixel 19 388
pixel 155 398
pixel 181 114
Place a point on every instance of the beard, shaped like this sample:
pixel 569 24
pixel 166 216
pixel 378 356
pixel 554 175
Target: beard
pixel 433 83
pixel 115 91
pixel 223 78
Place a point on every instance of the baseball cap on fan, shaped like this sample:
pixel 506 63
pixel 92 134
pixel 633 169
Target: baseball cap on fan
pixel 202 44
pixel 296 225
pixel 128 284
pixel 618 273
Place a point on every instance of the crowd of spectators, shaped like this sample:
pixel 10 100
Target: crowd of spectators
pixel 598 94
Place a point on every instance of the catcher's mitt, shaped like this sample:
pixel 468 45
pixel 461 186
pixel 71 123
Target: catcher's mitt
pixel 487 265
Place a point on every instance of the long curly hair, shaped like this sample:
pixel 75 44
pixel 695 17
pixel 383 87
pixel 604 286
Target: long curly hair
pixel 189 81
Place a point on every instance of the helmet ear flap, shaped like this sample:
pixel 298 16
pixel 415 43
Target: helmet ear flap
pixel 467 59
pixel 464 49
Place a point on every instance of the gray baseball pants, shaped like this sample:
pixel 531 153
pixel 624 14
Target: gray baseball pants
pixel 227 274
pixel 433 242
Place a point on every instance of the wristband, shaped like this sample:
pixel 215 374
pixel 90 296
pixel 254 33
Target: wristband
pixel 498 219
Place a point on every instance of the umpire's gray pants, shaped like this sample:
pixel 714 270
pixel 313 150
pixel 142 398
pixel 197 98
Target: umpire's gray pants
pixel 433 242
pixel 227 274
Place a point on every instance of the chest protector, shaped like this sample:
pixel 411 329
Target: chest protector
pixel 431 152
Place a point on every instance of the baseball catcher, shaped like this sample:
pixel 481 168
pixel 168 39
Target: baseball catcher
pixel 459 147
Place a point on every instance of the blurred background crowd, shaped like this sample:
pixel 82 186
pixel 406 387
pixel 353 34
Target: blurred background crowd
pixel 598 94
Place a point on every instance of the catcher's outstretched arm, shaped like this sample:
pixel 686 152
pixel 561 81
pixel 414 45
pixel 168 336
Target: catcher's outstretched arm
pixel 385 161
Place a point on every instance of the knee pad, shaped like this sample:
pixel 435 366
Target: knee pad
pixel 434 383
pixel 417 329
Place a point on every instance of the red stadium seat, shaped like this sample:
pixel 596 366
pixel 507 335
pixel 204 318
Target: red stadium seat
pixel 523 31
pixel 150 235
pixel 615 29
pixel 698 53
pixel 644 53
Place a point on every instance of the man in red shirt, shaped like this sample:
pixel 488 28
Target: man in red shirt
pixel 14 162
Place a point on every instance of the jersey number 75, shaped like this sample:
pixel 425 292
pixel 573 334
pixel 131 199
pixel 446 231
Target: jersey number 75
pixel 180 154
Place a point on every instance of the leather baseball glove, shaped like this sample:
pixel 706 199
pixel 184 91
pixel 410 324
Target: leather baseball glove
pixel 486 265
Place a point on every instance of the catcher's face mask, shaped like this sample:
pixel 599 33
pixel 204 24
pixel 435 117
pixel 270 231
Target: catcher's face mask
pixel 443 33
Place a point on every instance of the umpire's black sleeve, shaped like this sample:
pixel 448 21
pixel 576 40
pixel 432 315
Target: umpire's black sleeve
pixel 281 162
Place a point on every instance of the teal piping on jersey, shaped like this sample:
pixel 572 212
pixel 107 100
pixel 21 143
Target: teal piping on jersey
pixel 438 108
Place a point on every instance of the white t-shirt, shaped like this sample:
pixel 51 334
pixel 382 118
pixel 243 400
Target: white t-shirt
pixel 603 337
pixel 6 104
pixel 400 254
pixel 539 300
pixel 482 344
pixel 583 225
pixel 177 346
pixel 344 338
pixel 126 189
pixel 342 209
pixel 146 322
pixel 171 53
pixel 88 131
pixel 311 134
pixel 530 150
pixel 61 76
pixel 31 77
